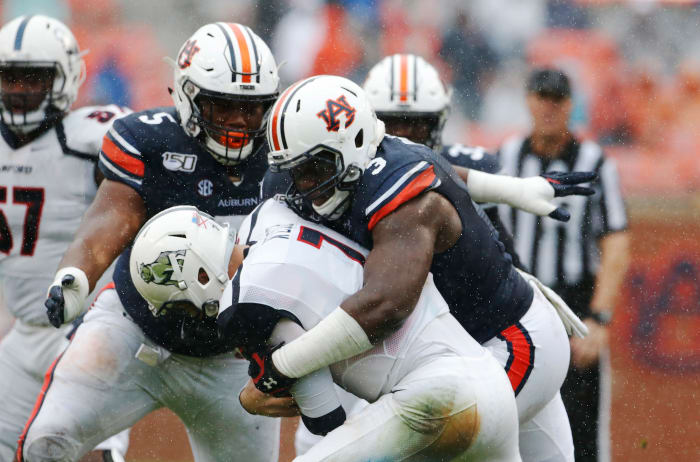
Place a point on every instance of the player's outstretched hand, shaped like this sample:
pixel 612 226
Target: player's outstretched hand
pixel 265 375
pixel 568 184
pixel 65 299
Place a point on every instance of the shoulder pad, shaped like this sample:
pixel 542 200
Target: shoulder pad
pixel 81 131
pixel 474 157
pixel 400 172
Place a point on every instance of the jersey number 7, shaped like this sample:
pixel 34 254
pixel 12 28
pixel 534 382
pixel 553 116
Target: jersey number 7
pixel 33 198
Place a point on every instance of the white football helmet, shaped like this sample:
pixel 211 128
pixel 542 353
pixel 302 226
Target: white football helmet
pixel 406 86
pixel 324 119
pixel 41 44
pixel 225 61
pixel 181 255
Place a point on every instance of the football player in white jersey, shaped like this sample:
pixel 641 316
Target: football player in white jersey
pixel 48 178
pixel 435 393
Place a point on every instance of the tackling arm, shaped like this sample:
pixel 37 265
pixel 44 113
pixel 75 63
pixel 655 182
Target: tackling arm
pixel 394 275
pixel 108 226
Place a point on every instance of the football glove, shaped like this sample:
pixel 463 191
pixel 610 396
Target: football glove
pixel 265 375
pixel 567 184
pixel 66 296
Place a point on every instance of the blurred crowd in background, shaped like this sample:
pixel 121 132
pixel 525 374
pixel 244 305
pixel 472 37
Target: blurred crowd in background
pixel 635 64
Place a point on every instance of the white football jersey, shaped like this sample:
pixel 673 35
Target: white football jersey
pixel 45 188
pixel 308 270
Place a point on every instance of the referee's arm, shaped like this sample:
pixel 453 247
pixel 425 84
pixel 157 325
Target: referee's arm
pixel 614 260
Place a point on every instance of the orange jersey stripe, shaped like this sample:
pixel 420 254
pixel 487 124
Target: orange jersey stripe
pixel 48 378
pixel 403 81
pixel 522 358
pixel 122 159
pixel 243 47
pixel 413 189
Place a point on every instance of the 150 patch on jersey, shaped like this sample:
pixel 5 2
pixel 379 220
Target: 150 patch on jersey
pixel 178 162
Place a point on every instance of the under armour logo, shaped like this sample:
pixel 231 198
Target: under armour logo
pixel 188 51
pixel 269 383
pixel 333 109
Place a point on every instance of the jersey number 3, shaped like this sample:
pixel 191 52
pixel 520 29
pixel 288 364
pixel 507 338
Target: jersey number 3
pixel 33 198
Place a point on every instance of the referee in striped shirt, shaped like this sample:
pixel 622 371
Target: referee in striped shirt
pixel 584 260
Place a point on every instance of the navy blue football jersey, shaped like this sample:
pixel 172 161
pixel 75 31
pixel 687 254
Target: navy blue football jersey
pixel 476 275
pixel 150 152
pixel 471 157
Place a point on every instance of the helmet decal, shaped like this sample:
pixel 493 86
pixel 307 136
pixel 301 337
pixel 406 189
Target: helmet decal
pixel 333 109
pixel 242 63
pixel 160 271
pixel 277 133
pixel 20 32
pixel 187 53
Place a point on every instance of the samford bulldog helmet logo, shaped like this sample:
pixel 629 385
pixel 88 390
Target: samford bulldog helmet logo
pixel 333 109
pixel 161 270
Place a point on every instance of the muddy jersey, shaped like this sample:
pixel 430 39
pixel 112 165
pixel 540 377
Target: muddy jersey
pixel 476 275
pixel 302 270
pixel 150 152
pixel 45 187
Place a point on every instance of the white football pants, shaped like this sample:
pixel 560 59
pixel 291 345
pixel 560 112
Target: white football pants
pixel 98 388
pixel 437 399
pixel 26 352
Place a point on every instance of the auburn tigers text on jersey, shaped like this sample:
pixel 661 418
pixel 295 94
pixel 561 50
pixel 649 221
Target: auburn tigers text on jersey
pixel 150 152
pixel 45 187
pixel 476 276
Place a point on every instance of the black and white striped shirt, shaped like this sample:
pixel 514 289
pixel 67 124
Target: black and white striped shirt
pixel 564 254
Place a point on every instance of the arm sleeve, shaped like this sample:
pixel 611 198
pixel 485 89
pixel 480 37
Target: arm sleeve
pixel 314 393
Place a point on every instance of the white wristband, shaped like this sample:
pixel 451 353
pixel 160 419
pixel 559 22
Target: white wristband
pixel 338 336
pixel 75 294
pixel 532 194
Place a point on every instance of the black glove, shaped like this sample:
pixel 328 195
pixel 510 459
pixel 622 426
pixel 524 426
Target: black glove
pixel 55 302
pixel 567 184
pixel 265 376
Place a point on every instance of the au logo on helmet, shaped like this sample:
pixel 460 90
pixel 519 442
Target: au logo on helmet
pixel 188 51
pixel 333 109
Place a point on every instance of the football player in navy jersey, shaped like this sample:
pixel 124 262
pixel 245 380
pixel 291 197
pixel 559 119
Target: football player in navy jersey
pixel 408 95
pixel 129 358
pixel 414 212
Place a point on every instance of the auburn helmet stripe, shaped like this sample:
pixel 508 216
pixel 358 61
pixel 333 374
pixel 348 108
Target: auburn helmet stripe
pixel 20 32
pixel 403 78
pixel 231 51
pixel 243 51
pixel 277 133
pixel 256 59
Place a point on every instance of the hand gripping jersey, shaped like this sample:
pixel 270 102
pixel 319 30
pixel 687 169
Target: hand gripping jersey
pixel 150 152
pixel 45 187
pixel 303 271
pixel 476 276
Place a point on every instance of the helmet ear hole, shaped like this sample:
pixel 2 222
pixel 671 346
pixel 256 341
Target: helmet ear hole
pixel 202 276
pixel 359 139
